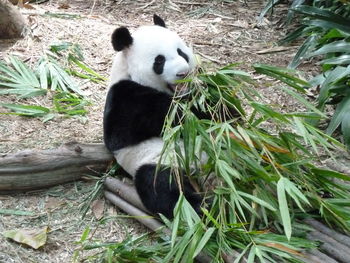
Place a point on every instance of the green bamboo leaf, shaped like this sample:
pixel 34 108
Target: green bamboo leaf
pixel 308 45
pixel 270 4
pixel 330 173
pixel 227 172
pixel 345 128
pixel 332 77
pixel 86 68
pixel 208 233
pixel 334 47
pixel 27 110
pixel 257 200
pixel 329 18
pixel 85 234
pixel 43 75
pixel 269 112
pixel 27 74
pixel 303 101
pixel 285 75
pixel 290 14
pixel 340 60
pixel 342 111
pixel 328 25
pixel 303 131
pixel 12 74
pixel 295 193
pixel 176 220
pixel 24 93
pixel 301 31
pixel 16 212
pixel 283 207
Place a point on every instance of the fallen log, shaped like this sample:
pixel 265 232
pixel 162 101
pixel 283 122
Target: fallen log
pixel 34 169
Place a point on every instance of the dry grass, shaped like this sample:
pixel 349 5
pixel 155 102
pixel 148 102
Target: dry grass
pixel 220 32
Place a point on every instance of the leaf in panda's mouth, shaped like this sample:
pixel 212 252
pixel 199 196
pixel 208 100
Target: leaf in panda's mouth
pixel 178 88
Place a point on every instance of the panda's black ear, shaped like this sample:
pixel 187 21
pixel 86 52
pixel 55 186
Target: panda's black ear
pixel 158 21
pixel 121 38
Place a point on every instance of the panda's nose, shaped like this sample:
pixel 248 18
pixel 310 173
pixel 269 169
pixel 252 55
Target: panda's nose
pixel 182 75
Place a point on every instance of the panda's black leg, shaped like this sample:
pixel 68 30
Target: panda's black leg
pixel 159 194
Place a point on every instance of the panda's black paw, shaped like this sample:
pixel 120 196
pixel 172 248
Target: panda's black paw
pixel 160 193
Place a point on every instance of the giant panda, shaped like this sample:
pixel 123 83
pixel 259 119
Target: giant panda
pixel 143 77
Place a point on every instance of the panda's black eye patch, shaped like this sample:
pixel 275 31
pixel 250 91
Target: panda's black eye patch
pixel 182 54
pixel 158 64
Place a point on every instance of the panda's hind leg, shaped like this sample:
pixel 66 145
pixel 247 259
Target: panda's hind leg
pixel 159 193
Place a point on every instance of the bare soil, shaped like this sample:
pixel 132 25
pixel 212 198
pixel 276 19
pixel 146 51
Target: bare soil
pixel 221 32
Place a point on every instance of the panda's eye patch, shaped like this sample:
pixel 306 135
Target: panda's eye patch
pixel 158 64
pixel 182 54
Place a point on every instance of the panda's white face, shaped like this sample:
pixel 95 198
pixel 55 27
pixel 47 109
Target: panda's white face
pixel 157 57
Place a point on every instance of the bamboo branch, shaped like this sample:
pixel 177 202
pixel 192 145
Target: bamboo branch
pixel 345 240
pixel 330 246
pixel 139 215
pixel 125 191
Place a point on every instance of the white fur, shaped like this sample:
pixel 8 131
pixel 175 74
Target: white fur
pixel 149 152
pixel 133 157
pixel 136 61
pixel 119 69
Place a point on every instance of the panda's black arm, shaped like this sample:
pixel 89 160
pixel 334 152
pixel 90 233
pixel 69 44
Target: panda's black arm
pixel 133 113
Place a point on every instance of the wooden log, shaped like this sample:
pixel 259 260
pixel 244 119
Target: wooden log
pixel 33 169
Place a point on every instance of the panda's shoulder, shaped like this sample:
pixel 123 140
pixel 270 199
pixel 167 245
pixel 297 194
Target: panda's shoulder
pixel 124 86
pixel 128 89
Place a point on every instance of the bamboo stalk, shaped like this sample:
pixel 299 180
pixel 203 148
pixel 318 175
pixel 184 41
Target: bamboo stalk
pixel 345 240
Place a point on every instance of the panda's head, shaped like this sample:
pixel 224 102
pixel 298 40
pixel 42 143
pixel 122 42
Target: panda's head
pixel 153 55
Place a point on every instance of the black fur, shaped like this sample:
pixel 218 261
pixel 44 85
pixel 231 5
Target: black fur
pixel 158 65
pixel 160 193
pixel 133 113
pixel 158 21
pixel 182 54
pixel 121 38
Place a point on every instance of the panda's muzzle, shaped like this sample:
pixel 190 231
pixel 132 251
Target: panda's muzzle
pixel 179 88
pixel 182 75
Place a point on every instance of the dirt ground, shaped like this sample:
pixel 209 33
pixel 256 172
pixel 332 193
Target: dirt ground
pixel 221 32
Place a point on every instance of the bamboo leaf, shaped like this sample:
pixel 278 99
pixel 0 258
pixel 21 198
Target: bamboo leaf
pixel 257 200
pixel 27 110
pixel 342 111
pixel 208 233
pixel 337 46
pixel 283 207
pixel 308 45
pixel 340 60
pixel 329 19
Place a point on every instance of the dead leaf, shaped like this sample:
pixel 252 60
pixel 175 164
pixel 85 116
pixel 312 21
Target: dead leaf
pixel 34 238
pixel 53 203
pixel 283 248
pixel 64 6
pixel 28 6
pixel 240 23
pixel 98 207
